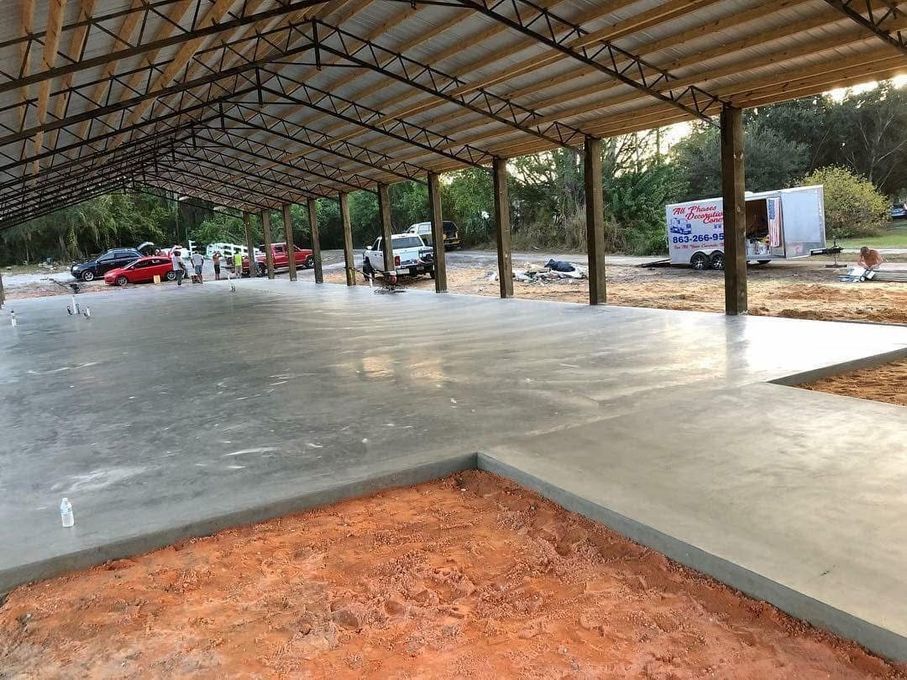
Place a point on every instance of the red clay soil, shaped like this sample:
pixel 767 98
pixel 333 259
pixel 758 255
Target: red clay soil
pixel 470 576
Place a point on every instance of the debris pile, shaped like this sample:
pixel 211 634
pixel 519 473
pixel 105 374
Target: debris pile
pixel 860 275
pixel 553 270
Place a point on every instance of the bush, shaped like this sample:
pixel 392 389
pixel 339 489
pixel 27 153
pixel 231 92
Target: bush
pixel 853 206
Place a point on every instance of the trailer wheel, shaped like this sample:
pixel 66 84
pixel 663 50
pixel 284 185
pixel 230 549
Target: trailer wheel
pixel 717 260
pixel 699 261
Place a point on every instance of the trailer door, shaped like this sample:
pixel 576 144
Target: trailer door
pixel 802 220
pixel 775 235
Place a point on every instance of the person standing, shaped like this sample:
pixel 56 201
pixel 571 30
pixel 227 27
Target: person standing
pixel 198 263
pixel 237 265
pixel 179 267
pixel 216 260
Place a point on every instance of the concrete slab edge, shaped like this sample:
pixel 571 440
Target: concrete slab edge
pixel 143 543
pixel 874 638
pixel 837 369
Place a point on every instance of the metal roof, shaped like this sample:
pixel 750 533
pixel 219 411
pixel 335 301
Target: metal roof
pixel 255 103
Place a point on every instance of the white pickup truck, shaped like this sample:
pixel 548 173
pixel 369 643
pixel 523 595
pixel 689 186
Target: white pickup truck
pixel 411 256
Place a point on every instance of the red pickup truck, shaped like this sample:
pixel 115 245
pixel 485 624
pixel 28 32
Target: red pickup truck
pixel 304 259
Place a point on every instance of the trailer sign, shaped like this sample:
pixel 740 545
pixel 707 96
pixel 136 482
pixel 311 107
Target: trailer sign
pixel 692 227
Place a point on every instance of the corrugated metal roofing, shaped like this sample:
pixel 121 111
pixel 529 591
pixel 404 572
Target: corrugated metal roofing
pixel 96 94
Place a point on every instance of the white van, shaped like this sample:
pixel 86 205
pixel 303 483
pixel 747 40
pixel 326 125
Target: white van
pixel 780 225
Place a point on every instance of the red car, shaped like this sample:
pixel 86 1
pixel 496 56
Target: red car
pixel 304 259
pixel 142 270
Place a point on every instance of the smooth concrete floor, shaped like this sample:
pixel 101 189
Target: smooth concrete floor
pixel 173 407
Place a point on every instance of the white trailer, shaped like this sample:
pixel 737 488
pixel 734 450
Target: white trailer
pixel 780 225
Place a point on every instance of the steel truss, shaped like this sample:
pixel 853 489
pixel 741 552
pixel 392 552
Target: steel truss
pixel 148 11
pixel 547 27
pixel 875 16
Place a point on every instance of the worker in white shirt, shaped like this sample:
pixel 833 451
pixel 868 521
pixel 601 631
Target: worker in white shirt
pixel 198 261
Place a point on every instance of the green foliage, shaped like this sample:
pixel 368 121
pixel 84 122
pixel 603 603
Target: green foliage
pixel 366 224
pixel 98 224
pixel 635 202
pixel 223 228
pixel 853 206
pixel 772 160
pixel 466 198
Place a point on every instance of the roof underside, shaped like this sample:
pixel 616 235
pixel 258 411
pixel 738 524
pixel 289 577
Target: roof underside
pixel 256 103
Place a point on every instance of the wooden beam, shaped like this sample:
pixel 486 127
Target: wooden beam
pixel 266 232
pixel 349 261
pixel 55 13
pixel 595 219
pixel 250 245
pixel 75 43
pixel 27 18
pixel 387 230
pixel 502 227
pixel 437 232
pixel 316 239
pixel 288 237
pixel 734 206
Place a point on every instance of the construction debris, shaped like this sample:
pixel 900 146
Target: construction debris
pixel 861 275
pixel 553 270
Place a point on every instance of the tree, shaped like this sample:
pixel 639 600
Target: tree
pixel 853 206
pixel 466 198
pixel 635 204
pixel 223 228
pixel 772 161
pixel 871 132
pixel 115 219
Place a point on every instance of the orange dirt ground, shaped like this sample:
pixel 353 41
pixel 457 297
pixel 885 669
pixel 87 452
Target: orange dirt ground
pixel 881 383
pixel 802 293
pixel 470 576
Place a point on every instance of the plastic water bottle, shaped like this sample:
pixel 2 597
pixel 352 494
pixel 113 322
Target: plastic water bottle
pixel 66 513
pixel 12 319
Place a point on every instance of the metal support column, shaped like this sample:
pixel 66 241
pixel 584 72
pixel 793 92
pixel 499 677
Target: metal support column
pixel 348 259
pixel 250 245
pixel 288 236
pixel 266 232
pixel 734 205
pixel 595 219
pixel 502 227
pixel 384 209
pixel 316 240
pixel 437 231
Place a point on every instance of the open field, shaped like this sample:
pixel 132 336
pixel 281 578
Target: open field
pixel 470 576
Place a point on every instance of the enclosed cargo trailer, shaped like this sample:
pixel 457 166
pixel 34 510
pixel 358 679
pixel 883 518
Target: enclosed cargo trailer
pixel 780 225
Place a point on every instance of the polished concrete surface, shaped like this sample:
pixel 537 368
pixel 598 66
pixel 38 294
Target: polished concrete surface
pixel 172 412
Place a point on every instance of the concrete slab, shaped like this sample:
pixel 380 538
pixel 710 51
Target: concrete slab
pixel 794 497
pixel 172 410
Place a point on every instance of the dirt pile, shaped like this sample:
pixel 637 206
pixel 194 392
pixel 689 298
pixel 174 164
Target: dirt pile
pixel 466 577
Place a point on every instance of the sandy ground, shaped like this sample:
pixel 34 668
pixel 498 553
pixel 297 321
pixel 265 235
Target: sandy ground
pixel 470 576
pixel 882 383
pixel 798 292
